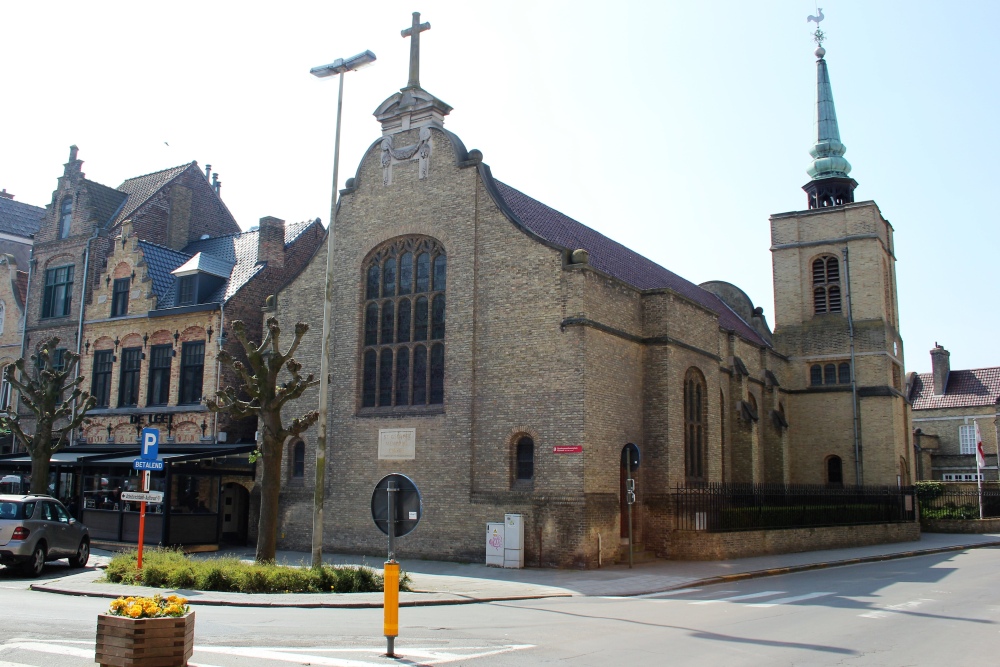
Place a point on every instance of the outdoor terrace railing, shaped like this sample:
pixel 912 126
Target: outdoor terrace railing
pixel 718 507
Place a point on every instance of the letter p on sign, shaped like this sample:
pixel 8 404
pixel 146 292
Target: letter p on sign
pixel 150 444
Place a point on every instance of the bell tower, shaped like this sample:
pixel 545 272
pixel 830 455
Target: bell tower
pixel 836 321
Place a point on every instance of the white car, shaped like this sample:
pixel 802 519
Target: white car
pixel 35 529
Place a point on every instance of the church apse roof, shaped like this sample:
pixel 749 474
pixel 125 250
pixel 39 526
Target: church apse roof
pixel 612 257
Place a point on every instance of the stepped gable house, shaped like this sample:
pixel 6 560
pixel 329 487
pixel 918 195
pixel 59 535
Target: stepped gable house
pixel 503 355
pixel 169 271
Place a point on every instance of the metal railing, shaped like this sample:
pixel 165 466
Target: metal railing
pixel 718 507
pixel 961 503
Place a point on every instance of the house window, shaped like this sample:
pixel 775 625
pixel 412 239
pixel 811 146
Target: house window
pixel 404 325
pixel 826 285
pixel 961 476
pixel 967 439
pixel 298 467
pixel 65 217
pixel 192 372
pixel 159 374
pixel 186 290
pixel 695 409
pixel 834 471
pixel 100 387
pixel 525 459
pixel 128 382
pixel 58 292
pixel 119 297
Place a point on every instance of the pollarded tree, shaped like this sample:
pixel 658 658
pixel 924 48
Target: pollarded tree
pixel 50 394
pixel 266 399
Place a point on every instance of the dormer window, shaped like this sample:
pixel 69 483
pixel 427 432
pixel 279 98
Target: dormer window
pixel 65 217
pixel 187 290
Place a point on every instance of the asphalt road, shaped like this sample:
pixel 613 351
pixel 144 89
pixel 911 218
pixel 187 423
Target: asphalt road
pixel 932 610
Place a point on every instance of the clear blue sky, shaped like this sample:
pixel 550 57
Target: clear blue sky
pixel 675 127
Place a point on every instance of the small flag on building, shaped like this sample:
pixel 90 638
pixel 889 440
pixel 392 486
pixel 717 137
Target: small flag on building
pixel 980 453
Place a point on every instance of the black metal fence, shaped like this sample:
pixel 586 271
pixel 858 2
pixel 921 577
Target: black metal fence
pixel 718 508
pixel 960 503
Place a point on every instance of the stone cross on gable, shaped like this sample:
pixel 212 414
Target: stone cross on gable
pixel 414 33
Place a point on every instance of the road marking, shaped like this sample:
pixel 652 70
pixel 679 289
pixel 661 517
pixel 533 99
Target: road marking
pixel 795 598
pixel 646 596
pixel 889 609
pixel 43 647
pixel 737 598
pixel 427 656
pixel 4 663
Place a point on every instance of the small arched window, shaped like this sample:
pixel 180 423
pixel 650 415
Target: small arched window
pixel 297 464
pixel 826 285
pixel 834 471
pixel 844 373
pixel 65 217
pixel 524 459
pixel 404 324
pixel 816 375
pixel 695 413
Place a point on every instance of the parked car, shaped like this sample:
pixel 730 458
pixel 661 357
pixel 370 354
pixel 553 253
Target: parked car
pixel 35 529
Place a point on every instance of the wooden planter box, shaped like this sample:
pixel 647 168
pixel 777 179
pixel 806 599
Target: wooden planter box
pixel 144 642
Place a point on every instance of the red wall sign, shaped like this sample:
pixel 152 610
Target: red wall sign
pixel 567 449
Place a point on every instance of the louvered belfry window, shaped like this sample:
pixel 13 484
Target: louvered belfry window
pixel 404 324
pixel 826 285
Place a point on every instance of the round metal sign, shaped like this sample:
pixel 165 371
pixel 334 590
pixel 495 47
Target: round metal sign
pixel 630 456
pixel 409 505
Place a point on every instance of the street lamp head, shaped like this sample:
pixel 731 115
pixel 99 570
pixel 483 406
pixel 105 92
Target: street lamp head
pixel 341 65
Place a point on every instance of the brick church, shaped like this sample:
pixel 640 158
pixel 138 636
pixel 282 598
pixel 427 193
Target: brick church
pixel 503 356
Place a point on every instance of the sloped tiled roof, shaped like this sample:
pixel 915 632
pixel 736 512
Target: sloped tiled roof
pixel 977 387
pixel 20 219
pixel 615 259
pixel 141 188
pixel 104 201
pixel 160 261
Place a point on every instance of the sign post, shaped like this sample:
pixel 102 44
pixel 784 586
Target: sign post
pixel 396 510
pixel 147 461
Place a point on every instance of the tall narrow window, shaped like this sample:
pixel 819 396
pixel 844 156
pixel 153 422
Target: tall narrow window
pixel 128 382
pixel 404 308
pixel 159 374
pixel 65 217
pixel 834 471
pixel 525 459
pixel 119 297
pixel 58 293
pixel 100 386
pixel 844 373
pixel 695 412
pixel 298 463
pixel 967 439
pixel 186 290
pixel 192 372
pixel 826 285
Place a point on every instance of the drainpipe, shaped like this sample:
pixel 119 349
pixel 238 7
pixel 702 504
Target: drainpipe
pixel 15 401
pixel 858 467
pixel 218 365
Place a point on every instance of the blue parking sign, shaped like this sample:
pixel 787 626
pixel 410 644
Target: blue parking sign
pixel 150 444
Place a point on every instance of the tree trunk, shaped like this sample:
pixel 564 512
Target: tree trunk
pixel 41 453
pixel 270 489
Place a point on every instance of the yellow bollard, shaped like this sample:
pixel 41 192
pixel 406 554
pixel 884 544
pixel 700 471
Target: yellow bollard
pixel 391 605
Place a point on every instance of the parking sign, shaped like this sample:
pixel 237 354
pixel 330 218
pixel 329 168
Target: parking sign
pixel 150 444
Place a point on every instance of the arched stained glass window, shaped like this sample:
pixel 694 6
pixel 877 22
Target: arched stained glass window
pixel 695 414
pixel 404 308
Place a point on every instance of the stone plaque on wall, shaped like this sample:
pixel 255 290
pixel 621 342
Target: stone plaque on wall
pixel 397 444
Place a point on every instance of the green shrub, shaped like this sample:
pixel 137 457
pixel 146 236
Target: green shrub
pixel 929 490
pixel 171 568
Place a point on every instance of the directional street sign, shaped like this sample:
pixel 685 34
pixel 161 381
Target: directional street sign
pixel 143 464
pixel 150 497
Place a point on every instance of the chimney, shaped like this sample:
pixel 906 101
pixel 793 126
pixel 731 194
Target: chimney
pixel 208 173
pixel 941 367
pixel 6 195
pixel 73 150
pixel 216 183
pixel 271 242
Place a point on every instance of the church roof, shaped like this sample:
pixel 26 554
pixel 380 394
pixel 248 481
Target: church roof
pixel 612 257
pixel 968 388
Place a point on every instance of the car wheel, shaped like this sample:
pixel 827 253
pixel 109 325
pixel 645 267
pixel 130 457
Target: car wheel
pixel 82 554
pixel 34 567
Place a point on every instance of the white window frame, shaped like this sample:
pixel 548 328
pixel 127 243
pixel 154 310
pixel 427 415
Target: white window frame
pixel 967 439
pixel 961 476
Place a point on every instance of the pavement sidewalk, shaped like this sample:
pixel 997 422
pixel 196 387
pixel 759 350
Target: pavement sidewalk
pixel 439 583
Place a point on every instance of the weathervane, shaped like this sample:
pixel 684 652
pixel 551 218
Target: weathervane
pixel 819 35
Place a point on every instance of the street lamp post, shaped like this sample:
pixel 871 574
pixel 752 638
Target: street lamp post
pixel 339 67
